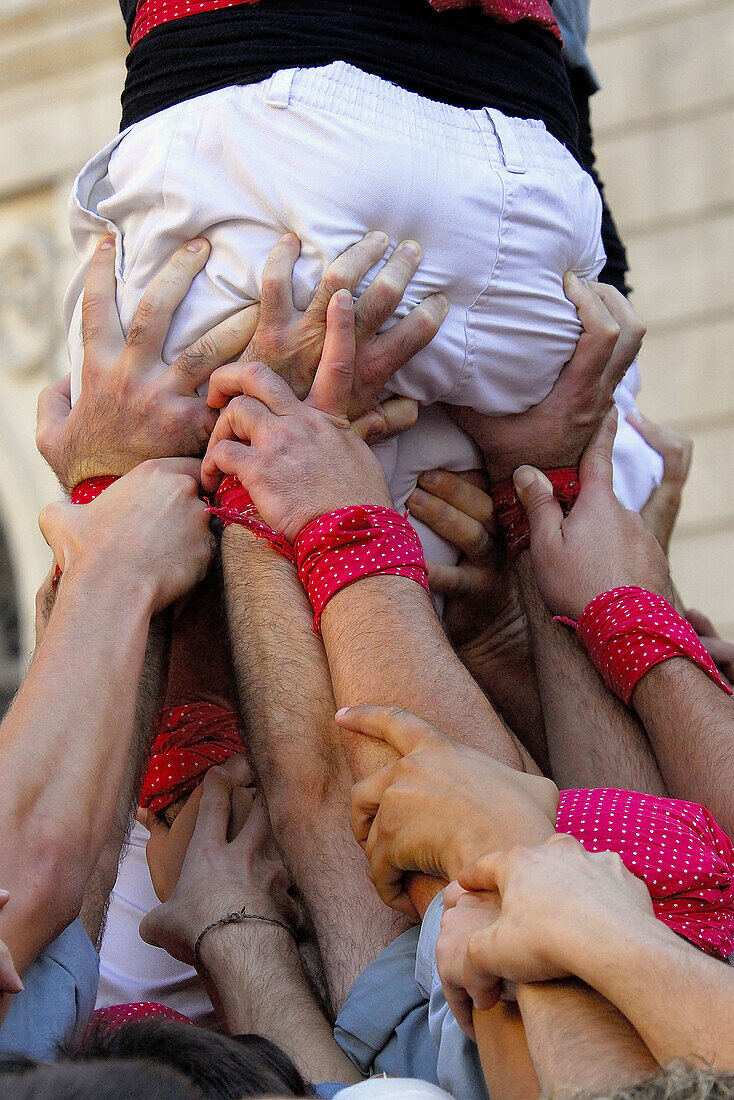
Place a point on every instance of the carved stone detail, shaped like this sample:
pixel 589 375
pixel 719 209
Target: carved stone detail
pixel 28 306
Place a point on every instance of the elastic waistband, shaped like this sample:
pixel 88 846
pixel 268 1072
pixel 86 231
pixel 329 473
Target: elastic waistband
pixel 343 89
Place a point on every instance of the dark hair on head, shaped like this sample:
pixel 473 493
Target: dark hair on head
pixel 222 1067
pixel 26 1079
pixel 159 1061
pixel 678 1081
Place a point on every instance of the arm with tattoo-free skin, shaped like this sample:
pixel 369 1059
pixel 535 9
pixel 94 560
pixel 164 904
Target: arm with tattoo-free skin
pixel 689 720
pixel 125 556
pixel 251 969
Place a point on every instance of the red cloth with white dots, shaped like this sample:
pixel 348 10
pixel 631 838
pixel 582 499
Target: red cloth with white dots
pixel 628 631
pixel 365 541
pixel 190 739
pixel 152 13
pixel 116 1016
pixel 684 858
pixel 233 504
pixel 511 517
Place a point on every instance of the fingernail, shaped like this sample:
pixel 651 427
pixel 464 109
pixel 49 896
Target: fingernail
pixel 4 895
pixel 105 243
pixel 377 237
pixel 524 477
pixel 429 477
pixel 344 300
pixel 341 712
pixel 441 304
pixel 195 246
pixel 411 249
pixel 418 497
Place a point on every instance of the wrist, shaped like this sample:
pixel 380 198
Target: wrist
pixel 225 942
pixel 99 575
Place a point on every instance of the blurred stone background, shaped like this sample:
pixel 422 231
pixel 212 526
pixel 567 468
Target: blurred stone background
pixel 664 123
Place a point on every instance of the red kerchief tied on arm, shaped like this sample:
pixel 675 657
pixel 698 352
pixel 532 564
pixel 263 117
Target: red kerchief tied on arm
pixel 678 850
pixel 189 740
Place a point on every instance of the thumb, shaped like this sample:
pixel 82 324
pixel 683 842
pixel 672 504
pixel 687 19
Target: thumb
pixel 543 510
pixel 596 461
pixel 54 526
pixel 54 406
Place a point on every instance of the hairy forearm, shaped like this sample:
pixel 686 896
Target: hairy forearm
pixel 593 740
pixel 71 723
pixel 257 985
pixel 690 724
pixel 386 647
pixel 577 1039
pixel 150 695
pixel 680 1001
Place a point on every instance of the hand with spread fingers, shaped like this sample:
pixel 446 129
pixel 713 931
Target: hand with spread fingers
pixel 555 431
pixel 227 865
pixel 297 459
pixel 599 546
pixel 290 341
pixel 149 530
pixel 132 406
pixel 661 509
pixel 438 804
pixel 556 900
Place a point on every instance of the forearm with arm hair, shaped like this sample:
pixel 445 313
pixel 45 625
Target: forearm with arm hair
pixel 150 696
pixel 593 739
pixel 690 724
pixel 288 707
pixel 577 1039
pixel 255 981
pixel 680 1001
pixel 64 747
pixel 386 647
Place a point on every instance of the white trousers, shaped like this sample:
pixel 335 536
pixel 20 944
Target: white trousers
pixel 500 208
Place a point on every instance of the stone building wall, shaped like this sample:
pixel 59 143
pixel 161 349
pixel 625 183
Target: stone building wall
pixel 664 125
pixel 664 133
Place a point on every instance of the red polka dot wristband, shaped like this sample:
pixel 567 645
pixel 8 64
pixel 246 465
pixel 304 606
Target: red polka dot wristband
pixel 511 516
pixel 83 493
pixel 233 504
pixel 678 850
pixel 628 631
pixel 339 548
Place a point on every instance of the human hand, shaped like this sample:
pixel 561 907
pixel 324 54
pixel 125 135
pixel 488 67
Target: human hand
pixel 297 459
pixel 464 913
pixel 132 406
pixel 662 507
pixel 9 979
pixel 722 652
pixel 555 431
pixel 220 876
pixel 168 843
pixel 437 804
pixel 149 531
pixel 290 342
pixel 558 902
pixel 600 545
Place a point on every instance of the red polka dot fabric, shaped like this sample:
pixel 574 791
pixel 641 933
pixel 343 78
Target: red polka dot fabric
pixel 628 631
pixel 365 541
pixel 233 504
pixel 511 516
pixel 189 740
pixel 684 858
pixel 152 13
pixel 83 493
pixel 120 1015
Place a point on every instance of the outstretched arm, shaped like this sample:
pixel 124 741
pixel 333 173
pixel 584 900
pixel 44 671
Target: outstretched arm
pixel 125 556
